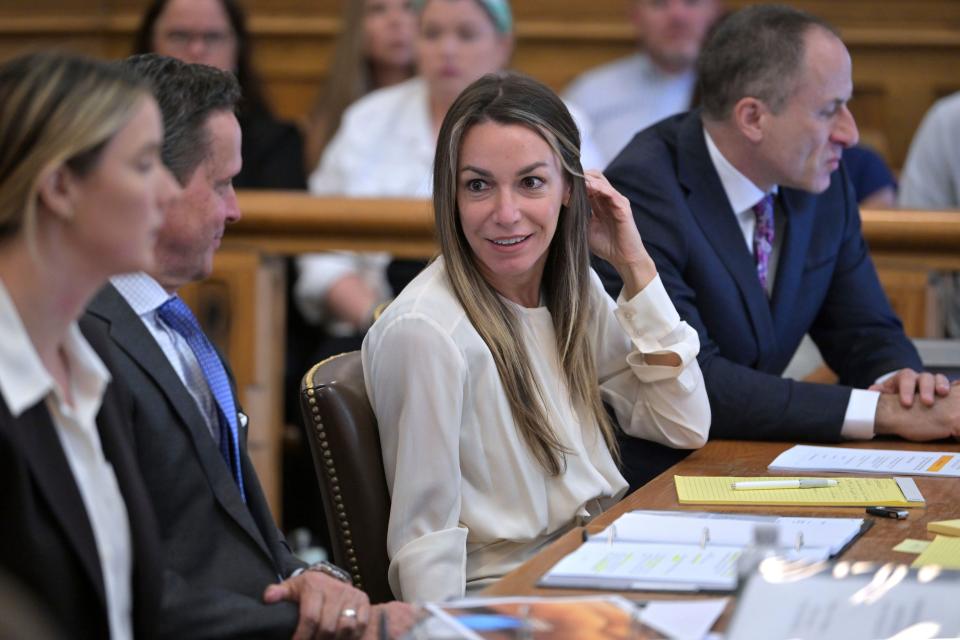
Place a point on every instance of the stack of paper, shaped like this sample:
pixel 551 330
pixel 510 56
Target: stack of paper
pixel 683 551
pixel 827 536
pixel 911 463
pixel 848 492
pixel 946 527
pixel 943 552
pixel 888 602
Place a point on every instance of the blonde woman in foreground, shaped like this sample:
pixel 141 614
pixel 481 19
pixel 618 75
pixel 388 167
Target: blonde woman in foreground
pixel 489 373
pixel 82 196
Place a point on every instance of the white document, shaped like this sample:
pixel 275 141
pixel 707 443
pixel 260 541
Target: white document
pixel 890 603
pixel 643 566
pixel 912 463
pixel 685 527
pixel 686 551
pixel 683 619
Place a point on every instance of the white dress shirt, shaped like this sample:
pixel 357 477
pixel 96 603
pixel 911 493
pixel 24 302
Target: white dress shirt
pixel 469 502
pixel 145 296
pixel 24 381
pixel 742 194
pixel 384 148
pixel 626 96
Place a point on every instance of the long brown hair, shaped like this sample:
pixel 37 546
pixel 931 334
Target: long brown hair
pixel 511 98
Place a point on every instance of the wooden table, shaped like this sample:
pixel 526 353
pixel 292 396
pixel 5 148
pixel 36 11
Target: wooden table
pixel 731 458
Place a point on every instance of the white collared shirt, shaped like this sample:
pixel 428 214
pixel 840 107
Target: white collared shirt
pixel 145 296
pixel 24 381
pixel 742 194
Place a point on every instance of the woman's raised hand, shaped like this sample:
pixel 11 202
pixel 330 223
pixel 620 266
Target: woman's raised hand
pixel 613 236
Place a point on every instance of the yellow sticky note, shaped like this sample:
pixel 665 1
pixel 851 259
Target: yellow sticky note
pixel 849 492
pixel 943 551
pixel 946 527
pixel 912 546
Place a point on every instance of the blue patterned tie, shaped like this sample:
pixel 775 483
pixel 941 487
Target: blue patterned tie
pixel 178 317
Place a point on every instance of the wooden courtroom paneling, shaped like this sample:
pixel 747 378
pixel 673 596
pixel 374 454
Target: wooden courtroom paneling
pixel 906 245
pixel 905 53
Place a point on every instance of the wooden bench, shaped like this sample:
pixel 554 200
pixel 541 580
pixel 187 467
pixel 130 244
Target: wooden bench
pixel 905 54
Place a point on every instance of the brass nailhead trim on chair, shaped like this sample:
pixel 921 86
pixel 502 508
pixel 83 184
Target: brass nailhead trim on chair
pixel 333 480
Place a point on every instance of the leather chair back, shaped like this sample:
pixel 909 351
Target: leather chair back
pixel 345 443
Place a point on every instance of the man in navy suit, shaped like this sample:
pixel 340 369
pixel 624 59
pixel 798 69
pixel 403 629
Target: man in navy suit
pixel 748 213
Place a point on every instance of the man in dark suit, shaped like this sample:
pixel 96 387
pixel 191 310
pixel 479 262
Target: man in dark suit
pixel 224 554
pixel 748 213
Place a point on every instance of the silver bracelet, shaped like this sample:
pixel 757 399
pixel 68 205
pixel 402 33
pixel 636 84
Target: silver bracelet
pixel 331 570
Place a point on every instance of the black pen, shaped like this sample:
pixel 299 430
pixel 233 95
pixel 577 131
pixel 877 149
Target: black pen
pixel 888 512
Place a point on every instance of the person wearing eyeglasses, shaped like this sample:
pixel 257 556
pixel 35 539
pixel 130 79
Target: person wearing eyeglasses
pixel 214 33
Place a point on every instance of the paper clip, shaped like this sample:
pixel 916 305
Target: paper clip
pixel 704 537
pixel 798 545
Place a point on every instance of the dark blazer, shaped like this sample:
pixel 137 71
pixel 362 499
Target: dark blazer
pixel 46 540
pixel 272 152
pixel 220 553
pixel 825 285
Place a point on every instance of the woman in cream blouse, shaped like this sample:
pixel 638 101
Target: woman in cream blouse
pixel 489 372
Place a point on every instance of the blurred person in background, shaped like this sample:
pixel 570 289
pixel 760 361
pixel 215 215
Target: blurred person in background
pixel 214 32
pixel 931 180
pixel 931 173
pixel 873 182
pixel 629 94
pixel 375 49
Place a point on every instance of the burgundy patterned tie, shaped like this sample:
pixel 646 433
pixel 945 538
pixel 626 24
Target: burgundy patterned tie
pixel 763 237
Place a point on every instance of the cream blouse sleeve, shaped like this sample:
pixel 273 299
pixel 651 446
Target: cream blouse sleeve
pixel 660 403
pixel 417 378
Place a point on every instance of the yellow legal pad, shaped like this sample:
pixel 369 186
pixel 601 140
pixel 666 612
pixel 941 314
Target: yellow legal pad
pixel 946 527
pixel 944 551
pixel 849 492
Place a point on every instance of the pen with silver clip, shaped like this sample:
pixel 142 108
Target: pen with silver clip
pixel 803 483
